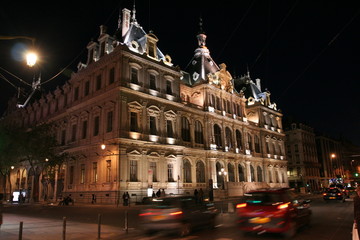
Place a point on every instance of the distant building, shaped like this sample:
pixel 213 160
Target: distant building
pixel 162 127
pixel 303 165
pixel 331 158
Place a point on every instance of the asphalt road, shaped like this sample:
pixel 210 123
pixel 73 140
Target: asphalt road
pixel 42 222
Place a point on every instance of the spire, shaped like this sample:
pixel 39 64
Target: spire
pixel 119 20
pixel 201 36
pixel 133 18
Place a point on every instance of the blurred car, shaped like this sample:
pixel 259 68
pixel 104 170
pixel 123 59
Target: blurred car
pixel 273 210
pixel 334 193
pixel 178 214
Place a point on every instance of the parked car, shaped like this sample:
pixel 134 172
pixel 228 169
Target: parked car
pixel 334 193
pixel 273 210
pixel 178 214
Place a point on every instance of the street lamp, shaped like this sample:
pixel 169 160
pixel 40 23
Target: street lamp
pixel 223 173
pixel 31 58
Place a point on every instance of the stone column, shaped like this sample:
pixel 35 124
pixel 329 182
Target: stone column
pixel 248 172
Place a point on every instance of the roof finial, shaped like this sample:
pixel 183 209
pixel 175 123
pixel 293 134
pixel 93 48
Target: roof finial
pixel 200 26
pixel 247 71
pixel 119 20
pixel 134 14
pixel 201 36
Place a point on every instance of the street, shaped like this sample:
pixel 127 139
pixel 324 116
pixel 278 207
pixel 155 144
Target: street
pixel 329 221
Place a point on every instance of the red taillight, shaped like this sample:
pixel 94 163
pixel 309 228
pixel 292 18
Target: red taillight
pixel 145 214
pixel 241 205
pixel 176 213
pixel 339 194
pixel 283 206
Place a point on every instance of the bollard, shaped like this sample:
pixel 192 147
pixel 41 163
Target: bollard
pixel 20 230
pixel 99 225
pixel 64 228
pixel 126 221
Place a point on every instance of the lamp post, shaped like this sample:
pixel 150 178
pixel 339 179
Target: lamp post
pixel 223 173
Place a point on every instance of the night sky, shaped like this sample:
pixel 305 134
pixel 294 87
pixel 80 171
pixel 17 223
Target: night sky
pixel 306 53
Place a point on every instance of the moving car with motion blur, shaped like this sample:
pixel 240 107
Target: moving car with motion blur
pixel 180 214
pixel 334 193
pixel 273 210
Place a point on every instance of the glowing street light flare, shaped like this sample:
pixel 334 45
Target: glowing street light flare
pixel 31 59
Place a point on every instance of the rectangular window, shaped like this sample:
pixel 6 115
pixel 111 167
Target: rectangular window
pixel 168 87
pixel 169 129
pixel 71 177
pixel 170 173
pixel 108 170
pixel 82 173
pixel 134 76
pixel 95 172
pixel 63 137
pixel 133 122
pixel 153 168
pixel 76 94
pixel 153 125
pixel 73 133
pixel 152 82
pixel 133 171
pixel 112 75
pixel 102 49
pixel 84 129
pixel 98 82
pixel 87 88
pixel 96 125
pixel 109 122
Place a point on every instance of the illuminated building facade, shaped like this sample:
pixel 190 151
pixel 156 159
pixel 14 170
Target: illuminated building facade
pixel 162 127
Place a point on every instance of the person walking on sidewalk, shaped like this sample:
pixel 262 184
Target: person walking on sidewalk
pixel 357 210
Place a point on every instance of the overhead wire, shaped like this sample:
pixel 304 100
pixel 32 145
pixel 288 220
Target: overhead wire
pixel 235 29
pixel 320 53
pixel 274 34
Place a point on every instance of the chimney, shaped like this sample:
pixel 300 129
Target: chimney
pixel 125 21
pixel 103 29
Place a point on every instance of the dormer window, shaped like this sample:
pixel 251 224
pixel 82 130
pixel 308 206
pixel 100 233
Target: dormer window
pixel 151 49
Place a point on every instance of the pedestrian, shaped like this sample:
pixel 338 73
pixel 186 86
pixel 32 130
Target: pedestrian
pixel 124 199
pixel 158 193
pixel 162 193
pixel 196 193
pixel 127 199
pixel 201 195
pixel 154 195
pixel 93 199
pixel 357 210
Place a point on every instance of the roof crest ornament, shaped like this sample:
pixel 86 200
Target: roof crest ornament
pixel 133 18
pixel 201 36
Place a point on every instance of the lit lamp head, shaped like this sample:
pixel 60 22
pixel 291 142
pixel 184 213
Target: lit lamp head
pixel 103 146
pixel 333 155
pixel 31 59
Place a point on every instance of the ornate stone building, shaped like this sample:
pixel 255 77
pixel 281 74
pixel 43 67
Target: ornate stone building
pixel 161 127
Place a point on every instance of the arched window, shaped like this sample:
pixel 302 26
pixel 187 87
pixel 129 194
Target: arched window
pixel 219 179
pixel 257 143
pixel 277 177
pixel 217 136
pixel 238 140
pixel 228 137
pixel 200 172
pixel 252 172
pixel 231 172
pixel 268 147
pixel 187 171
pixel 185 129
pixel 259 174
pixel 250 142
pixel 270 177
pixel 241 173
pixel 199 133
